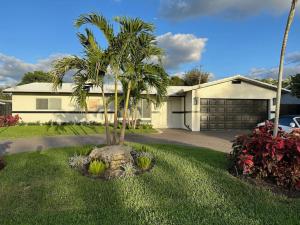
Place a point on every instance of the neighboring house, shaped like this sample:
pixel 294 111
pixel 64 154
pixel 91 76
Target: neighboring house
pixel 232 103
pixel 5 107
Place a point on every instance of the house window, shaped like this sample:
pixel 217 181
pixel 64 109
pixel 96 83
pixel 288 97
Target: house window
pixel 146 109
pixel 48 103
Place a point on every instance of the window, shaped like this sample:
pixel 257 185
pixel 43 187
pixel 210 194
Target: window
pixel 48 103
pixel 146 109
pixel 285 121
pixel 298 120
pixel 41 103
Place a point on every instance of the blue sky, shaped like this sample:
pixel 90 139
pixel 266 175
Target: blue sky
pixel 225 37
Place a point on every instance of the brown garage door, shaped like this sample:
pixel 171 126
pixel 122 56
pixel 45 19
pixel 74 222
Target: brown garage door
pixel 222 114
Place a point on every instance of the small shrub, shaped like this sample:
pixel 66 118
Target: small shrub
pixel 96 168
pixel 129 170
pixel 260 155
pixel 143 162
pixel 78 162
pixel 2 163
pixel 84 151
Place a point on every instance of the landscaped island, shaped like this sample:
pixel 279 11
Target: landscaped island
pixel 187 186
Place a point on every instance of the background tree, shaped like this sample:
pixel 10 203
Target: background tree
pixel 295 85
pixel 280 73
pixel 285 83
pixel 176 81
pixel 196 76
pixel 36 76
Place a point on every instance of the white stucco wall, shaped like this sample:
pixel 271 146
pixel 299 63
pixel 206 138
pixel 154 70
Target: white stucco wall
pixel 228 90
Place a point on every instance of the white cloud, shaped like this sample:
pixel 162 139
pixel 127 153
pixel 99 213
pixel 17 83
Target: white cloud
pixel 181 49
pixel 291 67
pixel 181 9
pixel 12 69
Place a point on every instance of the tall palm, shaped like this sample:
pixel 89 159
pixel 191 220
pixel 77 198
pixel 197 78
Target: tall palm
pixel 283 49
pixel 113 55
pixel 137 37
pixel 90 68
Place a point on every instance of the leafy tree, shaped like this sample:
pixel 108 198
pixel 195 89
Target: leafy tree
pixel 4 96
pixel 295 85
pixel 280 73
pixel 36 76
pixel 196 76
pixel 176 81
pixel 285 82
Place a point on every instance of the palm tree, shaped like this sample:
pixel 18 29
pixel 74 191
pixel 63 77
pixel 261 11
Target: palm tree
pixel 283 49
pixel 89 69
pixel 141 47
pixel 114 54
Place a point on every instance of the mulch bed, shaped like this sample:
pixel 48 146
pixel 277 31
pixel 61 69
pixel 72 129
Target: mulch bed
pixel 290 193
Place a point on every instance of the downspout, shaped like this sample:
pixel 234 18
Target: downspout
pixel 184 115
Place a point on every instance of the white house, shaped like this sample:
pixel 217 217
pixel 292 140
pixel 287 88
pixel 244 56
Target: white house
pixel 232 103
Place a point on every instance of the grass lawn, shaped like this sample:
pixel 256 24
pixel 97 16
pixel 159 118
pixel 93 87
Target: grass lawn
pixel 187 186
pixel 44 130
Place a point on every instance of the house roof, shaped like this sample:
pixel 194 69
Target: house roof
pixel 172 90
pixel 242 78
pixel 68 88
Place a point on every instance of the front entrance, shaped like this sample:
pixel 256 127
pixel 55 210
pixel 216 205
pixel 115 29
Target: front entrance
pixel 228 114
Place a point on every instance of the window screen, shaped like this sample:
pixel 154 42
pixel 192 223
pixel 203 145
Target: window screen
pixel 41 103
pixel 50 104
pixel 54 103
pixel 146 112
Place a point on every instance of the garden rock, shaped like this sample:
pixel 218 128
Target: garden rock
pixel 114 157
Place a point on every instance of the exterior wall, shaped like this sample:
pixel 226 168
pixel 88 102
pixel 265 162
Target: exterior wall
pixel 25 106
pixel 169 114
pixel 232 91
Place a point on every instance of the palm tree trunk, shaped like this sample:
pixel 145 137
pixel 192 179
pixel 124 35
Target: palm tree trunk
pixel 122 135
pixel 283 49
pixel 107 132
pixel 115 135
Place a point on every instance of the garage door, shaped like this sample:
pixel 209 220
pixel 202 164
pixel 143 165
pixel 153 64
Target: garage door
pixel 222 114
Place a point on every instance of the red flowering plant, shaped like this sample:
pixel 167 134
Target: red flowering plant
pixel 9 120
pixel 260 155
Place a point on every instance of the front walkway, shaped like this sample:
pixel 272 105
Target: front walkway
pixel 217 140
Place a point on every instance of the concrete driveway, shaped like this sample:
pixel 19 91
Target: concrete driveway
pixel 217 140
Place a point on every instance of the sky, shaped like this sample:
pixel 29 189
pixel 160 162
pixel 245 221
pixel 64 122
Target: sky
pixel 223 37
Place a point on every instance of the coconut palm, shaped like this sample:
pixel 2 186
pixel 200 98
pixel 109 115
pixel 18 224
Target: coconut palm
pixel 141 48
pixel 91 69
pixel 283 49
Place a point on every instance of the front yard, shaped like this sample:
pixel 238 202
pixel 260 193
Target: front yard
pixel 14 132
pixel 187 186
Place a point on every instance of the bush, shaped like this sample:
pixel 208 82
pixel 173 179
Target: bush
pixel 78 162
pixel 96 168
pixel 260 155
pixel 129 170
pixel 2 163
pixel 9 120
pixel 143 162
pixel 84 151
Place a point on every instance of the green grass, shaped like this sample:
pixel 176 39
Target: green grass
pixel 188 186
pixel 43 130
